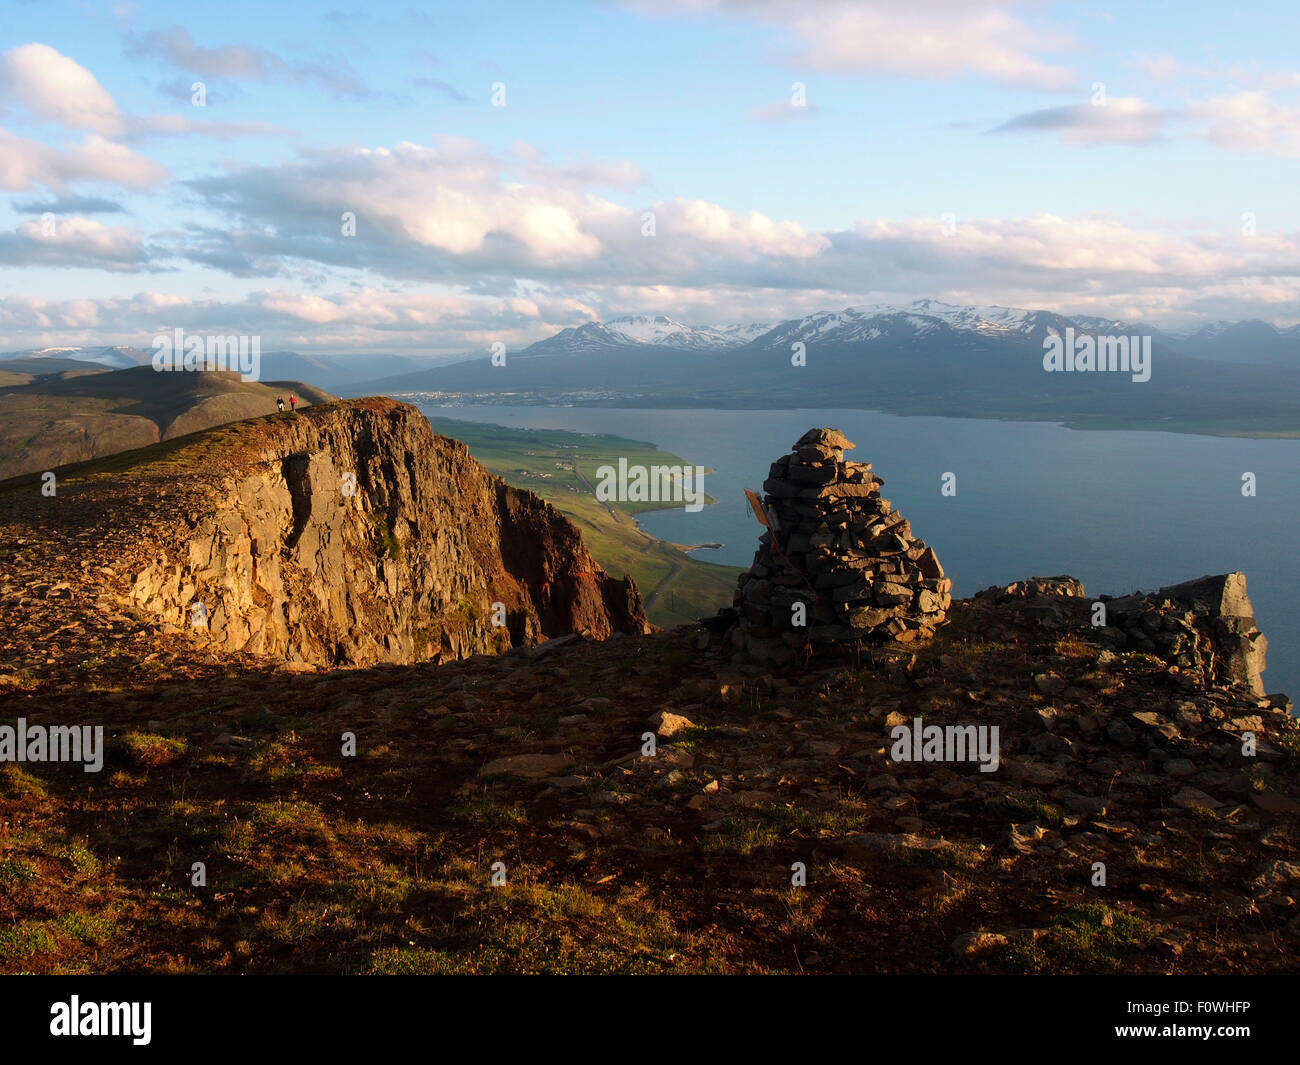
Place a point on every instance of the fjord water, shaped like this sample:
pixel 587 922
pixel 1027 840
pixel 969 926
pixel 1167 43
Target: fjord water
pixel 1121 511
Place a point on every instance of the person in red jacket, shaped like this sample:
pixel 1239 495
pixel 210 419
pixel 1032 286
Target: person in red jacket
pixel 293 402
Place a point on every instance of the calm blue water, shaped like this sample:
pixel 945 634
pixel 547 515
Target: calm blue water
pixel 1119 510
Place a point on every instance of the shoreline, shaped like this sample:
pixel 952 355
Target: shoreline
pixel 1061 421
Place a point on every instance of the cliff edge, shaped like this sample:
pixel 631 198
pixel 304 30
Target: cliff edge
pixel 347 534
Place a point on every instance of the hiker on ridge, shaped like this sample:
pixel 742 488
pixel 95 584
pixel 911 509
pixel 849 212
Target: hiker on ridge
pixel 279 404
pixel 293 402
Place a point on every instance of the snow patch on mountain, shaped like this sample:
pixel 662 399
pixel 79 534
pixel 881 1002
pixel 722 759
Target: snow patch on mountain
pixel 119 357
pixel 663 331
pixel 650 330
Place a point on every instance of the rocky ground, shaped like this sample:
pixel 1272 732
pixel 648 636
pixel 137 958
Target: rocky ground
pixel 612 860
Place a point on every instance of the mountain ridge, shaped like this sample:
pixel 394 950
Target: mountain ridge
pixel 52 420
pixel 928 358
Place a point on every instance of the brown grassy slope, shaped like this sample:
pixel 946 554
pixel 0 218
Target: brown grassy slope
pixel 56 419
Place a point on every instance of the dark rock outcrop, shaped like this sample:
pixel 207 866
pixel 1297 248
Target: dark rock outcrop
pixel 1205 627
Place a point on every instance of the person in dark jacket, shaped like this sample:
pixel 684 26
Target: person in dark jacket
pixel 279 403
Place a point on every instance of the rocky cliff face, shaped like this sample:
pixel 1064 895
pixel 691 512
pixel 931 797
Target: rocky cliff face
pixel 353 534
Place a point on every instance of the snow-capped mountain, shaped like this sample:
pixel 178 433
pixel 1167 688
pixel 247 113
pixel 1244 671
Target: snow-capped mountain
pixel 743 334
pixel 655 330
pixel 666 332
pixel 893 327
pixel 867 324
pixel 114 358
pixel 929 319
pixel 923 357
pixel 580 339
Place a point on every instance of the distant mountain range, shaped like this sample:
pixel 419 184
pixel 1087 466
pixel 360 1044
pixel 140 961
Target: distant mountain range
pixel 1248 342
pixel 926 357
pixel 325 371
pixel 54 360
pixel 1254 342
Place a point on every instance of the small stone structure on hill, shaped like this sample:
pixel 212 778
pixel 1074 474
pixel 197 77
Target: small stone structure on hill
pixel 839 567
pixel 1206 627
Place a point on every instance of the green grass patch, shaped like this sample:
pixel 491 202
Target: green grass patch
pixel 1087 938
pixel 24 940
pixel 147 750
pixel 689 739
pixel 18 871
pixel 92 929
pixel 534 928
pixel 302 815
pixel 947 855
pixel 487 813
pixel 1028 808
pixel 17 783
pixel 385 542
pixel 743 834
pixel 82 859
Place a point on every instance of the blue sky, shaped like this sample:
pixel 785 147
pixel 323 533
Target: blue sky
pixel 1078 157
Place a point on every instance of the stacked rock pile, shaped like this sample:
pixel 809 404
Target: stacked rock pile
pixel 839 566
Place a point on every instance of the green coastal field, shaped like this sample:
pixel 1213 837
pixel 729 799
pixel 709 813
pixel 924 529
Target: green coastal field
pixel 561 467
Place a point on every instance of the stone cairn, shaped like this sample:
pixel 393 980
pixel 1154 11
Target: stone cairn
pixel 838 548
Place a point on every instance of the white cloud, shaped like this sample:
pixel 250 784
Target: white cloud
pixel 58 88
pixel 27 163
pixel 457 215
pixel 1089 264
pixel 938 43
pixel 74 242
pixel 922 39
pixel 454 210
pixel 364 318
pixel 1250 121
